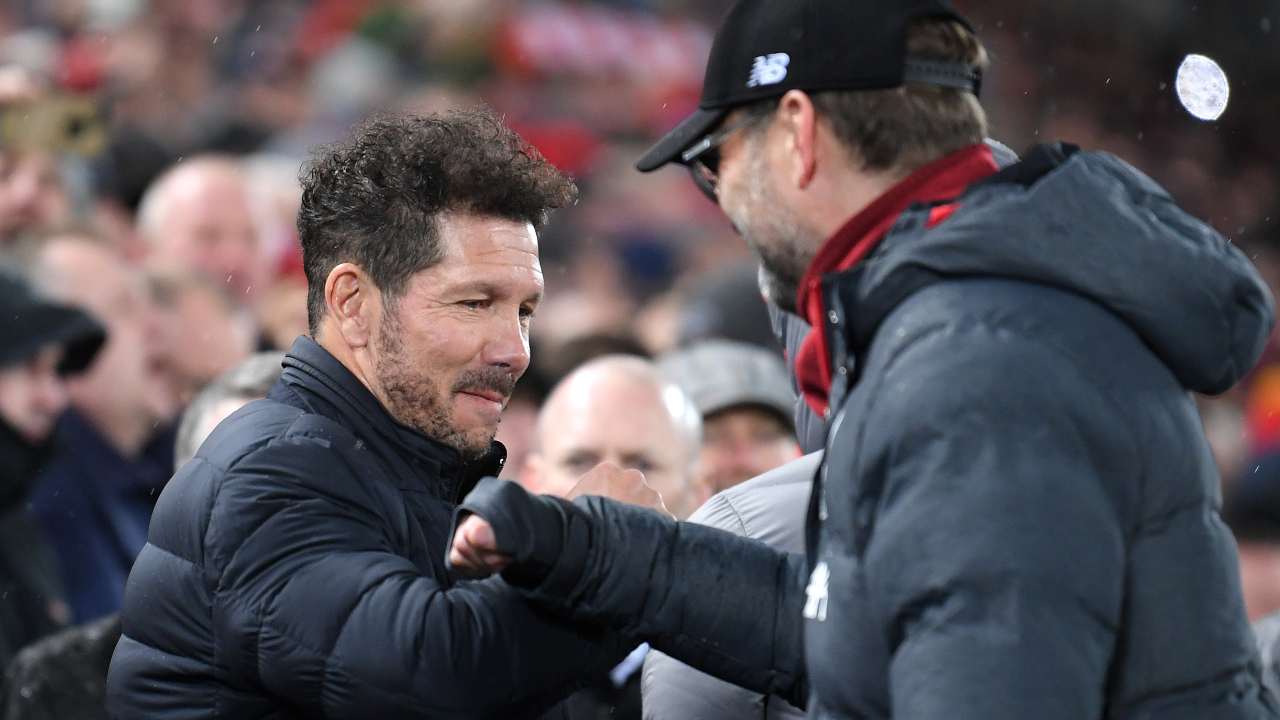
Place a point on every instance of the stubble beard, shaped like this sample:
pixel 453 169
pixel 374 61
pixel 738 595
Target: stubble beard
pixel 415 401
pixel 774 234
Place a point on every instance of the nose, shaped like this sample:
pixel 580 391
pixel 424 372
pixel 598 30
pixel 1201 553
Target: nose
pixel 508 346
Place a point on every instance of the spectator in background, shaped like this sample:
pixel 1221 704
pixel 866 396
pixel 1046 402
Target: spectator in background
pixel 727 305
pixel 94 499
pixel 32 195
pixel 64 677
pixel 205 333
pixel 197 217
pixel 44 343
pixel 744 395
pixel 620 410
pixel 121 174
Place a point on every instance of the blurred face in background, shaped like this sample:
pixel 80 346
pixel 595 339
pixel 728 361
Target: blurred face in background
pixel 31 194
pixel 198 218
pixel 741 443
pixel 33 394
pixel 124 392
pixel 601 414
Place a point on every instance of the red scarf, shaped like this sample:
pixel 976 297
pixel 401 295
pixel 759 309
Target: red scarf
pixel 940 180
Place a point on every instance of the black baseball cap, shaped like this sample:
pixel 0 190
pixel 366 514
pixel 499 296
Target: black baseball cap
pixel 29 321
pixel 766 47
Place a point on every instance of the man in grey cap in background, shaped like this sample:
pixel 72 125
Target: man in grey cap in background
pixel 744 396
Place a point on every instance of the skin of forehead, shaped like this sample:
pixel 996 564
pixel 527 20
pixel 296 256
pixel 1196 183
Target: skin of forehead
pixel 613 395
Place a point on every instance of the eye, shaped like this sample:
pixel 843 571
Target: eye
pixel 475 304
pixel 580 464
pixel 644 466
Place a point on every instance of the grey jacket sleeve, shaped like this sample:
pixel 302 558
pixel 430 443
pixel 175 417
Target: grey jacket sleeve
pixel 596 561
pixel 998 550
pixel 675 691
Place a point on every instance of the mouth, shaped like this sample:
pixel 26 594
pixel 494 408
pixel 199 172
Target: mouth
pixel 494 397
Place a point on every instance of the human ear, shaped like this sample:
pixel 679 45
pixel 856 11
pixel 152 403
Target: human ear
pixel 798 121
pixel 351 299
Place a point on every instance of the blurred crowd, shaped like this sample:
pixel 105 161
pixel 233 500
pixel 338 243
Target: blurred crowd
pixel 149 156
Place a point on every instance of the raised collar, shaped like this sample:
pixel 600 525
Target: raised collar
pixel 943 179
pixel 310 366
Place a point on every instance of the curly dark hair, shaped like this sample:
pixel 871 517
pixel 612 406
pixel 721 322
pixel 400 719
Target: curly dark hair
pixel 375 198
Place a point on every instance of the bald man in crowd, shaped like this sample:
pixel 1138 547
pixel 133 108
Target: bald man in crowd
pixel 197 217
pixel 95 497
pixel 618 409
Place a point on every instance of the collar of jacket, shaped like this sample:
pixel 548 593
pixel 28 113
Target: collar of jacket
pixel 941 180
pixel 320 372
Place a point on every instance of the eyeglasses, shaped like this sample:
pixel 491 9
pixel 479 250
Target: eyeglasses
pixel 703 158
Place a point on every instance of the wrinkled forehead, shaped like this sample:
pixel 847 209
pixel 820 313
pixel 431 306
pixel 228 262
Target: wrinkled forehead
pixel 482 238
pixel 487 248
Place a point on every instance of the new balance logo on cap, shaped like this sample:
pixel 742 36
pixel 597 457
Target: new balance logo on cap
pixel 769 69
pixel 761 39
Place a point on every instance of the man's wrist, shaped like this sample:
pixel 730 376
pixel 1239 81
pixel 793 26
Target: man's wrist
pixel 531 529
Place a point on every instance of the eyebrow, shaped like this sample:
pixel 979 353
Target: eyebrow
pixel 636 458
pixel 490 289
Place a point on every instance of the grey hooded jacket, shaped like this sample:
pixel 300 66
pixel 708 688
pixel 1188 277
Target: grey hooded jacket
pixel 1017 515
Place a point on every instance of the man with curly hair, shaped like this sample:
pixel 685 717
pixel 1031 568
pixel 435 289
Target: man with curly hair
pixel 296 565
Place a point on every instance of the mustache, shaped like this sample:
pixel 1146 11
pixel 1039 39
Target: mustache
pixel 490 379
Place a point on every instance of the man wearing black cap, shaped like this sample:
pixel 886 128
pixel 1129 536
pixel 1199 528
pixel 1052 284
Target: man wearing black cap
pixel 43 343
pixel 1017 512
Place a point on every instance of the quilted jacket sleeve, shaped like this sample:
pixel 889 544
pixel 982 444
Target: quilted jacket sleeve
pixel 666 582
pixel 319 611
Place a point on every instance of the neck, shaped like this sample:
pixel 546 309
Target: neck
pixel 351 359
pixel 848 194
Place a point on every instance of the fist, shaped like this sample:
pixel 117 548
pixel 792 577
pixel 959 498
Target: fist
pixel 474 553
pixel 625 486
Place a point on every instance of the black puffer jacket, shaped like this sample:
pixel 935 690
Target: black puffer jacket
pixel 295 568
pixel 1018 512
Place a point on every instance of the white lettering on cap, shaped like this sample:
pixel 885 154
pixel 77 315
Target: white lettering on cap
pixel 769 69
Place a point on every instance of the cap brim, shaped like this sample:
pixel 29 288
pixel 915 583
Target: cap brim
pixel 688 132
pixel 80 336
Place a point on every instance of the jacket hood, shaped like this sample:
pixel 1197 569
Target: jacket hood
pixel 1091 224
